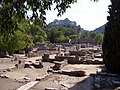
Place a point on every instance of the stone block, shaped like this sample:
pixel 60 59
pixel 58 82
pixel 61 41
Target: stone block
pixel 4 76
pixel 23 79
pixel 59 65
pixel 75 60
pixel 59 58
pixel 98 55
pixel 41 78
pixel 51 89
pixel 27 65
pixel 79 53
pixel 45 57
pixel 97 62
pixel 77 73
pixel 37 64
pixel 20 64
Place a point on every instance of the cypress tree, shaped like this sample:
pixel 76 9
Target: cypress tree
pixel 111 42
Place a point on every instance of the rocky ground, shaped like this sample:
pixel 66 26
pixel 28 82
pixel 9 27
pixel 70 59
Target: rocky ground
pixel 53 81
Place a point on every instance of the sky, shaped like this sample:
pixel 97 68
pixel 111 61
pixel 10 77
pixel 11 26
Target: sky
pixel 88 14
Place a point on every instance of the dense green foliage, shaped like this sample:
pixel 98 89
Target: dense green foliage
pixel 38 33
pixel 16 42
pixel 111 43
pixel 85 35
pixel 74 36
pixel 16 31
pixel 93 35
pixel 62 33
pixel 13 11
pixel 55 36
pixel 24 37
pixel 99 38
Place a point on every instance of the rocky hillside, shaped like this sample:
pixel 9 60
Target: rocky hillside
pixel 63 22
pixel 66 21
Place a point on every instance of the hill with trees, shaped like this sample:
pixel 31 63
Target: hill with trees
pixel 62 30
pixel 100 29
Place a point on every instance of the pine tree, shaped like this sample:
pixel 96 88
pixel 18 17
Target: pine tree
pixel 111 43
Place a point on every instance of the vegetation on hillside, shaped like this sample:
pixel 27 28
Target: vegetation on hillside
pixel 65 32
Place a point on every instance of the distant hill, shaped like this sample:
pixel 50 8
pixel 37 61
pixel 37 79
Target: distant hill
pixel 66 21
pixel 83 31
pixel 63 22
pixel 101 29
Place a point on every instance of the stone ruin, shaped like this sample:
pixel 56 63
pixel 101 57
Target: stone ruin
pixel 23 64
pixel 106 80
pixel 59 65
pixel 37 64
pixel 41 49
pixel 84 56
pixel 45 57
pixel 77 73
pixel 20 64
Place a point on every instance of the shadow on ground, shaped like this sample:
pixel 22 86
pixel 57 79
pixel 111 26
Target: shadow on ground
pixel 99 82
pixel 86 84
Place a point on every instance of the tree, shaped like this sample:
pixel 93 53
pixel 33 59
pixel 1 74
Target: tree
pixel 13 11
pixel 74 36
pixel 111 43
pixel 99 38
pixel 85 35
pixel 55 35
pixel 93 35
pixel 16 42
pixel 38 33
pixel 66 30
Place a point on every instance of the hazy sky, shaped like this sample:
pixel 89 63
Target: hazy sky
pixel 86 13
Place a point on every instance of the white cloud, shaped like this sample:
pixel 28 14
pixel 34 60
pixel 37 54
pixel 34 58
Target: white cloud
pixel 86 13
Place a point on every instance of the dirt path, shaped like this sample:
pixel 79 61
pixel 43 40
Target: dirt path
pixel 65 82
pixel 9 84
pixel 62 82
